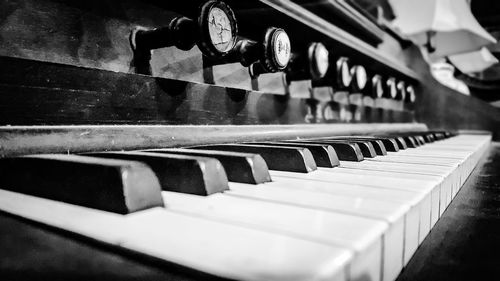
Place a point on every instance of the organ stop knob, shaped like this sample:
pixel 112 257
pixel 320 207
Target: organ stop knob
pixel 410 95
pixel 275 54
pixel 390 90
pixel 214 32
pixel 359 78
pixel 312 63
pixel 375 88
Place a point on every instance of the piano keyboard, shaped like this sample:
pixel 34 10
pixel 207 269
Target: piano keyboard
pixel 299 211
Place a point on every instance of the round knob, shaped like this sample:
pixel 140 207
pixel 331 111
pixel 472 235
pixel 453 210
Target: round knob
pixel 376 90
pixel 318 60
pixel 359 78
pixel 277 50
pixel 217 28
pixel 401 90
pixel 343 72
pixel 276 53
pixel 214 32
pixel 390 90
pixel 410 94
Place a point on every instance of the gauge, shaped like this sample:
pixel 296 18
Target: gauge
pixel 377 87
pixel 401 90
pixel 343 72
pixel 359 77
pixel 318 60
pixel 391 90
pixel 277 50
pixel 410 94
pixel 218 29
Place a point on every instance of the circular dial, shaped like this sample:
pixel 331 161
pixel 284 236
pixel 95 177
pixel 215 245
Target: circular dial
pixel 410 94
pixel 277 50
pixel 377 89
pixel 218 29
pixel 359 77
pixel 391 91
pixel 343 72
pixel 401 87
pixel 318 60
pixel 282 48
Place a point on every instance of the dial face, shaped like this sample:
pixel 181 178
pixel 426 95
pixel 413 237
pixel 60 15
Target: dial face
pixel 402 90
pixel 410 94
pixel 220 30
pixel 282 48
pixel 345 72
pixel 361 77
pixel 378 91
pixel 391 85
pixel 321 59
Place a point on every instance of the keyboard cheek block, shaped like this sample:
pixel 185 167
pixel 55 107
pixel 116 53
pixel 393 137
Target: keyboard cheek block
pixel 110 185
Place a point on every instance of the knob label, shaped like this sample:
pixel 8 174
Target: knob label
pixel 282 48
pixel 220 30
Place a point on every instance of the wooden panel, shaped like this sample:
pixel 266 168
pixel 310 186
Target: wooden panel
pixel 96 34
pixel 61 139
pixel 36 93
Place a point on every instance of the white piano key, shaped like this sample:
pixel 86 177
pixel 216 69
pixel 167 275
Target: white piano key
pixel 438 193
pixel 424 188
pixel 412 198
pixel 443 177
pixel 361 234
pixel 216 248
pixel 393 212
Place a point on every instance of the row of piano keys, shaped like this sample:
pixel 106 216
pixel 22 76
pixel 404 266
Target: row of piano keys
pixel 336 208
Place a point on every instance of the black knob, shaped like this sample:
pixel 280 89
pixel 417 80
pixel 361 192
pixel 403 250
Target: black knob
pixel 312 63
pixel 390 89
pixel 214 32
pixel 410 95
pixel 359 79
pixel 401 91
pixel 374 88
pixel 275 53
pixel 343 75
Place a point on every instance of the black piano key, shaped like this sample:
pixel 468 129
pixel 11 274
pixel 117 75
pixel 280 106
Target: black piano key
pixel 420 139
pixel 324 155
pixel 179 173
pixel 240 167
pixel 399 141
pixel 390 144
pixel 410 141
pixel 365 146
pixel 281 158
pixel 110 185
pixel 438 135
pixel 375 147
pixel 429 137
pixel 381 145
pixel 345 151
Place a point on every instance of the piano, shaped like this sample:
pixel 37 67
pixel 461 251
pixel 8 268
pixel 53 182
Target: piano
pixel 230 140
